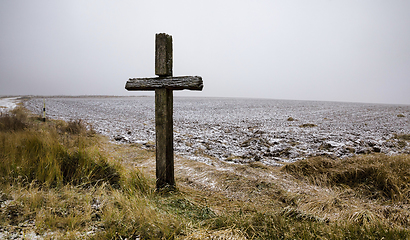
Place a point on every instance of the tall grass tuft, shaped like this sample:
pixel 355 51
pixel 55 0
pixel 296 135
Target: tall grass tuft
pixel 14 121
pixel 40 155
pixel 375 176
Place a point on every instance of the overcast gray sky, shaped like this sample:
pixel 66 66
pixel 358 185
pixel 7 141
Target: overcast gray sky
pixel 330 50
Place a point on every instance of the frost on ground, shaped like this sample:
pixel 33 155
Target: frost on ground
pixel 7 104
pixel 244 130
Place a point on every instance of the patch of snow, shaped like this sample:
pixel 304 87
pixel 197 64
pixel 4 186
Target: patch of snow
pixel 7 104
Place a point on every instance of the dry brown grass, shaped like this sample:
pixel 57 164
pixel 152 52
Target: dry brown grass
pixel 375 176
pixel 360 198
pixel 14 121
pixel 369 190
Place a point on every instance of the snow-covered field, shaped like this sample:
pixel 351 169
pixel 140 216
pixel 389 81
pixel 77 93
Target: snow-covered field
pixel 244 130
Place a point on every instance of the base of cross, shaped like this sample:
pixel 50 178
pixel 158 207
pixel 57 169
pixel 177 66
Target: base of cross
pixel 164 131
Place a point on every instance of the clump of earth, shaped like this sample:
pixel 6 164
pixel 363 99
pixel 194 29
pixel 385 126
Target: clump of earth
pixel 245 130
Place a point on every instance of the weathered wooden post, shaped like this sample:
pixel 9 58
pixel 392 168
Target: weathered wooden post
pixel 163 85
pixel 44 110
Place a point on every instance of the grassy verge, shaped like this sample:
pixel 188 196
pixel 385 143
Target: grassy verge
pixel 60 180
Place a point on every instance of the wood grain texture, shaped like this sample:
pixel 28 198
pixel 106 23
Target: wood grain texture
pixel 163 54
pixel 172 83
pixel 164 138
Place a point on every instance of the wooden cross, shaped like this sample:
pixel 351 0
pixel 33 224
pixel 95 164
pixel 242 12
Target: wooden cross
pixel 163 85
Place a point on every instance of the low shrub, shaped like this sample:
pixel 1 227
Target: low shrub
pixel 308 125
pixel 405 137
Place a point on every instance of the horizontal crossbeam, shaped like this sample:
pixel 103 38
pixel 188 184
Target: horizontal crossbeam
pixel 172 83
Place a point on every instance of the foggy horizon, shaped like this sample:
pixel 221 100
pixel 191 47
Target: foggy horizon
pixel 337 51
